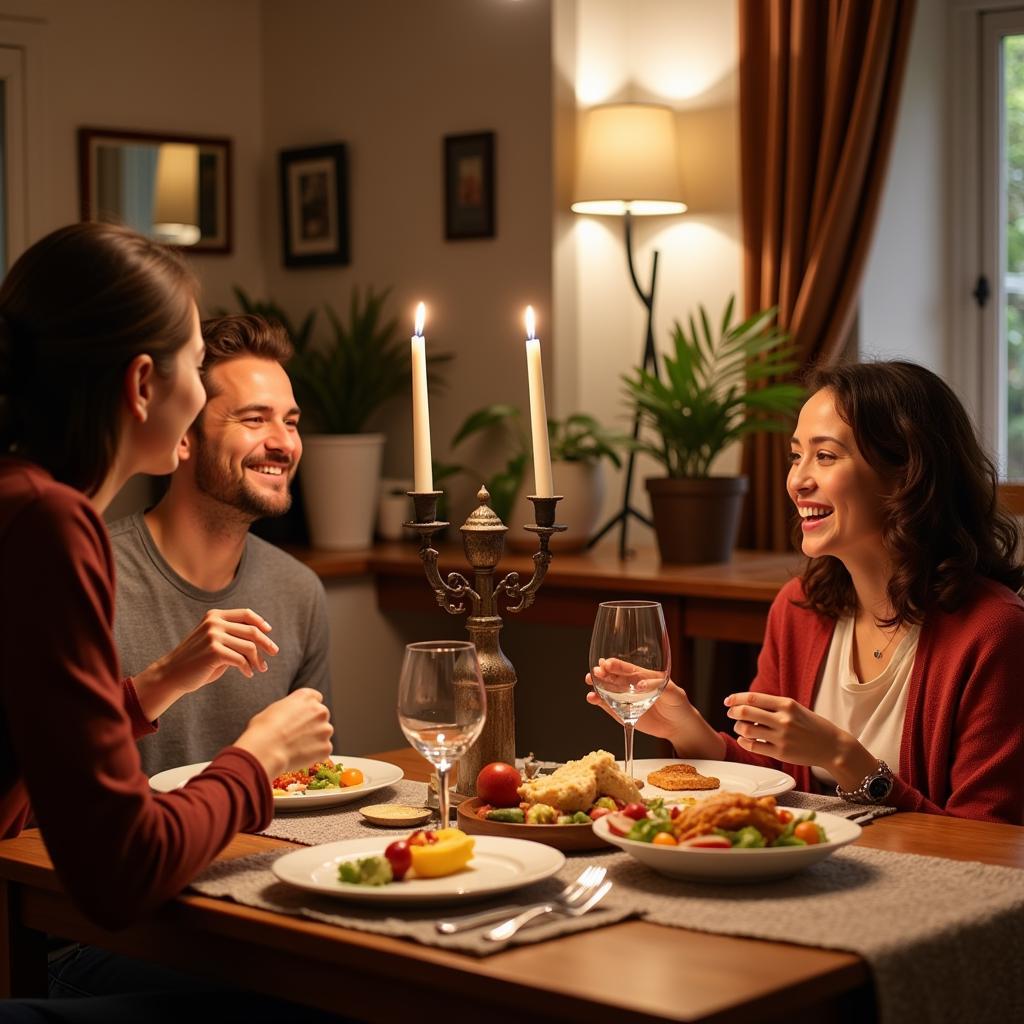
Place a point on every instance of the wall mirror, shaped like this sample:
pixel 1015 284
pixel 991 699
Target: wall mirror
pixel 174 188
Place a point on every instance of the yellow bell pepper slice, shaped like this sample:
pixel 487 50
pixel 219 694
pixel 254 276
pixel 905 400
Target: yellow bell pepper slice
pixel 452 852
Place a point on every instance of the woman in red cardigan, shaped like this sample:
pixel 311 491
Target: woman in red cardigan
pixel 891 671
pixel 100 350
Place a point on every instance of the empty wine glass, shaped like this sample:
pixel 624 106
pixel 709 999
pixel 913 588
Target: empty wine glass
pixel 442 704
pixel 633 632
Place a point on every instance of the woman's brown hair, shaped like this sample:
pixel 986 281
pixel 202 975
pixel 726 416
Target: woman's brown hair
pixel 75 310
pixel 943 524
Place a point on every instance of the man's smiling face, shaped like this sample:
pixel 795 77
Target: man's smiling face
pixel 246 444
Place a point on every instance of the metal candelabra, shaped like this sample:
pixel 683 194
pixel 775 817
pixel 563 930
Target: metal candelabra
pixel 483 540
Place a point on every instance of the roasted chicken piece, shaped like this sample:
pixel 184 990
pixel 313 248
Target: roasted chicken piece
pixel 730 812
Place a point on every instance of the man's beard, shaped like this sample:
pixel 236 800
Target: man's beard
pixel 212 481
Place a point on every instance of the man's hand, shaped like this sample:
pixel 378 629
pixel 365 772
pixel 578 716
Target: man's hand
pixel 232 638
pixel 293 732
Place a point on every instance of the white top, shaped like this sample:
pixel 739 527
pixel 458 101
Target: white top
pixel 874 710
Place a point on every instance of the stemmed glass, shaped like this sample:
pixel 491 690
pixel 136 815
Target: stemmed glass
pixel 635 633
pixel 442 704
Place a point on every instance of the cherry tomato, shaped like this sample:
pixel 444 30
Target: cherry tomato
pixel 708 843
pixel 635 811
pixel 351 777
pixel 399 856
pixel 783 815
pixel 664 839
pixel 498 784
pixel 808 832
pixel 598 812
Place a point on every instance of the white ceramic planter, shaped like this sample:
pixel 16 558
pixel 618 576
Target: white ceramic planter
pixel 340 487
pixel 582 486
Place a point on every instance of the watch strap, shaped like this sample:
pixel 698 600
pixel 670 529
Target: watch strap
pixel 862 794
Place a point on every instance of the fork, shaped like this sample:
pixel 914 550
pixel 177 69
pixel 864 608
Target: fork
pixel 509 928
pixel 576 890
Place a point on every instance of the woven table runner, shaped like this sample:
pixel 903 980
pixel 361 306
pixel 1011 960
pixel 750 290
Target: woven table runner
pixel 343 821
pixel 944 939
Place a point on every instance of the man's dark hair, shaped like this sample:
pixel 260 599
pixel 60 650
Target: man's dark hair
pixel 245 334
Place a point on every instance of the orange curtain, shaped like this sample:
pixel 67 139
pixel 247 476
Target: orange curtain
pixel 819 91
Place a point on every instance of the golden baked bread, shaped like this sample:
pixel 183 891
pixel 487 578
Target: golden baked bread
pixel 682 776
pixel 577 784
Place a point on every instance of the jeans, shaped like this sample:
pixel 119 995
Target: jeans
pixel 91 986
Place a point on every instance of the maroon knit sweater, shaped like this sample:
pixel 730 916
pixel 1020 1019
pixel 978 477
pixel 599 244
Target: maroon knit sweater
pixel 68 722
pixel 962 749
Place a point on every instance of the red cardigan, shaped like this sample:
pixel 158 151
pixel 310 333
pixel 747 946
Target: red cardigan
pixel 962 749
pixel 68 722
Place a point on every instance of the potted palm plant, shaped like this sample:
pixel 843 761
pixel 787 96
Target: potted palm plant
pixel 579 445
pixel 340 381
pixel 718 387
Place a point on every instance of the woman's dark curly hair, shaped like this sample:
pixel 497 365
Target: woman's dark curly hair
pixel 944 527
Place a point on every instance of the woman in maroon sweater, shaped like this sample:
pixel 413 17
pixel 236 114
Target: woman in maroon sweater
pixel 100 351
pixel 904 638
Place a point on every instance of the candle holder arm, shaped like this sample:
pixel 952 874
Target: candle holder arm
pixel 450 594
pixel 520 596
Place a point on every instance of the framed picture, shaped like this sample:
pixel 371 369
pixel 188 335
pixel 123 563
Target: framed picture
pixel 314 206
pixel 469 186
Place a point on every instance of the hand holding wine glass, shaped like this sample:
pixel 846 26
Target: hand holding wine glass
pixel 442 705
pixel 630 660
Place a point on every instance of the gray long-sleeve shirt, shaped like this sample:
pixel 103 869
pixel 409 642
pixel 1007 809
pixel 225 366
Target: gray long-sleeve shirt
pixel 156 608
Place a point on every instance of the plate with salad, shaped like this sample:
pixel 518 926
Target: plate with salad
pixel 729 837
pixel 336 780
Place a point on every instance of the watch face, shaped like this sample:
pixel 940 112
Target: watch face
pixel 879 787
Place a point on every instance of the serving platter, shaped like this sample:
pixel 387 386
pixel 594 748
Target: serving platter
pixel 568 838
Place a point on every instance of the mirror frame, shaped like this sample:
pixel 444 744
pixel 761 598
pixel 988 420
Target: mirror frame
pixel 88 140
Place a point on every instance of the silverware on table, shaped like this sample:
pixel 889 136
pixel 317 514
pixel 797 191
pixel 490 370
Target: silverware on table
pixel 509 928
pixel 576 891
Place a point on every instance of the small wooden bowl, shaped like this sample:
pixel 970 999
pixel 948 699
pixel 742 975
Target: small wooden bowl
pixel 561 837
pixel 396 815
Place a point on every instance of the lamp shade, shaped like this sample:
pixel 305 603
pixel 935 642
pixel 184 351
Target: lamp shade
pixel 627 161
pixel 175 205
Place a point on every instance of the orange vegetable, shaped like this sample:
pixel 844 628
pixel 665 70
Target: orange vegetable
pixel 664 839
pixel 808 832
pixel 783 815
pixel 351 777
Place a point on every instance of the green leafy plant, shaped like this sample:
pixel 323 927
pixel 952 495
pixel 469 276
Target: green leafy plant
pixel 718 388
pixel 342 380
pixel 578 438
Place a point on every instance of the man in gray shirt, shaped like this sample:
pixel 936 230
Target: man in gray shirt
pixel 191 558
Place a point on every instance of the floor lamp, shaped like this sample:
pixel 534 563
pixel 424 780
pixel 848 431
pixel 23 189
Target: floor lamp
pixel 628 167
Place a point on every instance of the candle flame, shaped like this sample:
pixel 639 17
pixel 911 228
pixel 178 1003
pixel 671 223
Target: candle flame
pixel 531 323
pixel 421 316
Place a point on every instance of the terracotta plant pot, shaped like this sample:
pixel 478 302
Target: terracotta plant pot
pixel 696 520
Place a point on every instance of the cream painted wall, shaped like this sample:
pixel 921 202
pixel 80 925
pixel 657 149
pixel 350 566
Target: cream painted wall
pixel 904 303
pixel 390 78
pixel 163 65
pixel 682 53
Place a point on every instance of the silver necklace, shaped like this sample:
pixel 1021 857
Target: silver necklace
pixel 879 651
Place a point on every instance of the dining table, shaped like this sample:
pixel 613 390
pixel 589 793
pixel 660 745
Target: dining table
pixel 632 971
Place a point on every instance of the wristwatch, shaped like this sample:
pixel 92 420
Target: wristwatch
pixel 875 788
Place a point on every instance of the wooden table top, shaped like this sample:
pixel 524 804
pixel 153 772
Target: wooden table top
pixel 671 974
pixel 751 575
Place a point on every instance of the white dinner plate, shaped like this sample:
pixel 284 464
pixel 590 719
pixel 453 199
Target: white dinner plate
pixel 699 865
pixel 376 775
pixel 735 777
pixel 498 865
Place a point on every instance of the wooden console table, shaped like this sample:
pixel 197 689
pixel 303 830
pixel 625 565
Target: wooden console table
pixel 727 602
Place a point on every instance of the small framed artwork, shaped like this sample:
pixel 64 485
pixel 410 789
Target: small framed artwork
pixel 469 186
pixel 314 206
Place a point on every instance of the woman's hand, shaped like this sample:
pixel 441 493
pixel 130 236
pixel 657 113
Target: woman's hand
pixel 782 728
pixel 223 639
pixel 671 717
pixel 293 732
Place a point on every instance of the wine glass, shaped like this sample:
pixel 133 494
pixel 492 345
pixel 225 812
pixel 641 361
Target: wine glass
pixel 442 704
pixel 635 633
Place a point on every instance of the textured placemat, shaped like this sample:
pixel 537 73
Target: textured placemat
pixel 343 821
pixel 248 880
pixel 944 938
pixel 833 805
